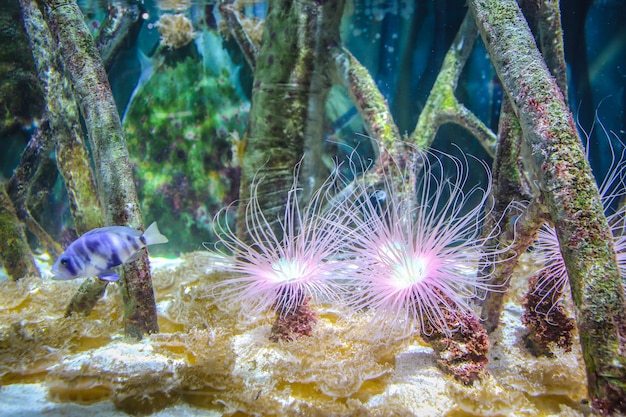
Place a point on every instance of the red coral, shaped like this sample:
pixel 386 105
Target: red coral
pixel 462 353
pixel 290 326
pixel 546 321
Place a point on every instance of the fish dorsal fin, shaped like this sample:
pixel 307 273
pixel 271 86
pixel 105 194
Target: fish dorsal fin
pixel 93 231
pixel 119 230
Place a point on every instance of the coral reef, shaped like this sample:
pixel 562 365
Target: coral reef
pixel 176 30
pixel 132 375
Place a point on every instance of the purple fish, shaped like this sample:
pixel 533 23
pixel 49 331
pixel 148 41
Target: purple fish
pixel 98 251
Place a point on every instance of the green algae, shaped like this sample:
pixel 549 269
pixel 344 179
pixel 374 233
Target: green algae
pixel 183 133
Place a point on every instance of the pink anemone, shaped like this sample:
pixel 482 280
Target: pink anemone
pixel 281 270
pixel 418 255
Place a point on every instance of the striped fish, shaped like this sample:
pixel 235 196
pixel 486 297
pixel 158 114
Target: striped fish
pixel 98 251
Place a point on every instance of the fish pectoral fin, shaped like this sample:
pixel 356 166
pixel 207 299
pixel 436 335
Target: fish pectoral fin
pixel 134 256
pixel 109 276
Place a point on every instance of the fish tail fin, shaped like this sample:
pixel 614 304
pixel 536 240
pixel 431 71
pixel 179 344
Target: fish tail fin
pixel 153 236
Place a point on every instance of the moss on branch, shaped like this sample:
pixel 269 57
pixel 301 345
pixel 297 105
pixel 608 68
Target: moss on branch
pixel 442 105
pixel 290 89
pixel 556 159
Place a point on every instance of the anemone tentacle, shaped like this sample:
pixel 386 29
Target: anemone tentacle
pixel 281 271
pixel 417 255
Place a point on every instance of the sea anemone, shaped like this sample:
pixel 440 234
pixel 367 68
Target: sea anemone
pixel 418 251
pixel 545 317
pixel 551 276
pixel 281 271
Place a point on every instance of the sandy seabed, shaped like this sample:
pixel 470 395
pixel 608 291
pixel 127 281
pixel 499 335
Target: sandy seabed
pixel 208 362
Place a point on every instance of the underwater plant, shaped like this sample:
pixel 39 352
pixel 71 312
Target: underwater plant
pixel 282 272
pixel 183 160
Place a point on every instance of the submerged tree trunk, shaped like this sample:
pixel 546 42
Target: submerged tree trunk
pixel 14 250
pixel 442 105
pixel 63 115
pixel 554 154
pixel 519 225
pixel 25 176
pixel 113 169
pixel 291 83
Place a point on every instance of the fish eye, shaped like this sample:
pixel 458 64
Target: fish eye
pixel 64 261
